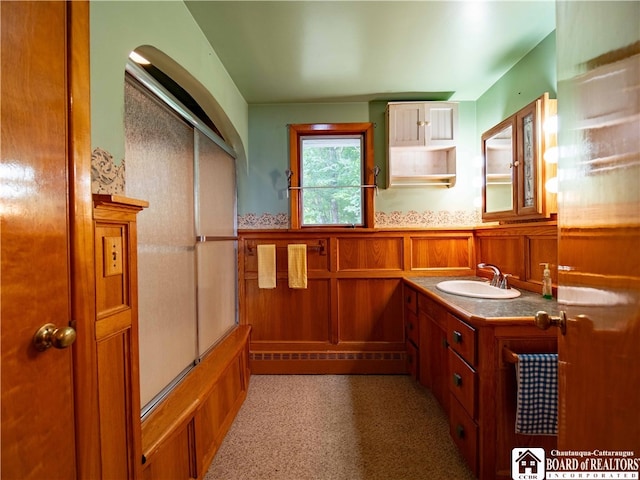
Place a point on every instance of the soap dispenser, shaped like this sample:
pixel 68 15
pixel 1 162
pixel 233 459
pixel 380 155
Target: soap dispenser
pixel 547 291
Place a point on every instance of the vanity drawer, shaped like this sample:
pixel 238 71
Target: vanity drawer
pixel 410 300
pixel 412 330
pixel 462 382
pixel 462 338
pixel 464 433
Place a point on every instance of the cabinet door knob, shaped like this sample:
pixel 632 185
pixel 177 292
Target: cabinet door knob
pixel 460 431
pixel 457 379
pixel 457 337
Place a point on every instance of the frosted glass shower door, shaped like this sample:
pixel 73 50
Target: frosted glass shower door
pixel 159 150
pixel 216 250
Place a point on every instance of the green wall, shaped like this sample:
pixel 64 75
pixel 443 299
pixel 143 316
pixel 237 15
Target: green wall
pixel 170 37
pixel 532 76
pixel 167 34
pixel 262 186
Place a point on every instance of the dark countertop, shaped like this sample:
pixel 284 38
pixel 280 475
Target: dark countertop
pixel 519 310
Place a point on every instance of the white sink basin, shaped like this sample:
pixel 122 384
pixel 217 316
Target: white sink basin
pixel 476 289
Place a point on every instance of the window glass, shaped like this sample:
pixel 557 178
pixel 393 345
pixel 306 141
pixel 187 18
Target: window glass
pixel 331 179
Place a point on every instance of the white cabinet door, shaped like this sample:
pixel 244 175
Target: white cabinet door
pixel 441 124
pixel 406 125
pixel 423 124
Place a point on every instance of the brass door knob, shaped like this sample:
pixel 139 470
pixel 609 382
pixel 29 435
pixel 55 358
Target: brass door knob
pixel 543 321
pixel 49 336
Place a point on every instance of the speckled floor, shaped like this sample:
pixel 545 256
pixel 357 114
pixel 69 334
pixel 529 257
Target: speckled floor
pixel 338 427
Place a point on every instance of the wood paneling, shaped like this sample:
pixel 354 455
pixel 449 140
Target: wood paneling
pixel 116 335
pixel 505 252
pixel 317 254
pixel 182 434
pixel 349 319
pixel 175 458
pixel 541 249
pixel 444 253
pixel 369 310
pixel 519 250
pixel 285 314
pixel 350 305
pixel 369 253
pixel 113 378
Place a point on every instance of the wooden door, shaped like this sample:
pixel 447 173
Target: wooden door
pixel 38 149
pixel 599 254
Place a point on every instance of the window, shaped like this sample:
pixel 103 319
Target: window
pixel 331 175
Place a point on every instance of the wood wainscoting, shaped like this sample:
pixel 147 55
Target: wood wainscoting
pixel 349 318
pixel 519 249
pixel 181 435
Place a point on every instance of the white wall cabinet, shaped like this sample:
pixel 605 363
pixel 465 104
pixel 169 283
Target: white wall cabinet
pixel 421 139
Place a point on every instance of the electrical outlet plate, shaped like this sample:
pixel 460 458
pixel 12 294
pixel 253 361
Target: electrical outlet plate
pixel 112 249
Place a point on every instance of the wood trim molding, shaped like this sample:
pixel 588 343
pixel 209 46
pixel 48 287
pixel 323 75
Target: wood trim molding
pixel 82 249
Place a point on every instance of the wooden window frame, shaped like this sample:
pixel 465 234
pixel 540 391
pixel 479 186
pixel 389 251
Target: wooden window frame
pixel 322 129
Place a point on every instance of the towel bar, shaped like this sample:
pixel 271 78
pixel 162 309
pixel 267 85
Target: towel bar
pixel 509 356
pixel 250 247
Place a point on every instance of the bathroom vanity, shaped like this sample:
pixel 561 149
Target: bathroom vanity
pixel 465 351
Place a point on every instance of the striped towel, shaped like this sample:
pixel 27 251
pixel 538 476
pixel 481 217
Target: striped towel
pixel 537 412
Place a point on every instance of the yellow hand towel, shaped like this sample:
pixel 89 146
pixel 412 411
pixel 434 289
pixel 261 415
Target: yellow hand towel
pixel 266 266
pixel 297 256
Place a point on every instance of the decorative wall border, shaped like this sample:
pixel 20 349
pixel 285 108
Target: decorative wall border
pixel 106 176
pixel 394 219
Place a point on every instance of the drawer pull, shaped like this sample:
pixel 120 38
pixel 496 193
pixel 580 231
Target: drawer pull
pixel 445 344
pixel 457 337
pixel 457 379
pixel 460 431
pixel 409 299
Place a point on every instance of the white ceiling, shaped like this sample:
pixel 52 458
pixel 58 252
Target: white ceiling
pixel 324 51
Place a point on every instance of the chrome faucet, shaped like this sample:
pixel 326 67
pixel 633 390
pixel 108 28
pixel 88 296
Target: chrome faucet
pixel 504 284
pixel 497 280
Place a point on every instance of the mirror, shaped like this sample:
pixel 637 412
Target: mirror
pixel 499 175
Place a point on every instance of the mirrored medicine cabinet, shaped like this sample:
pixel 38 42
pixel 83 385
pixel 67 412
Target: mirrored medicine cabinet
pixel 519 165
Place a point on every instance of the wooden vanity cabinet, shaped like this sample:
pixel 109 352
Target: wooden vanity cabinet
pixel 463 388
pixel 412 333
pixel 462 362
pixel 434 373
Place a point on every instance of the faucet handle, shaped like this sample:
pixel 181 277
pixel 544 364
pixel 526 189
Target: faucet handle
pixel 495 281
pixel 504 283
